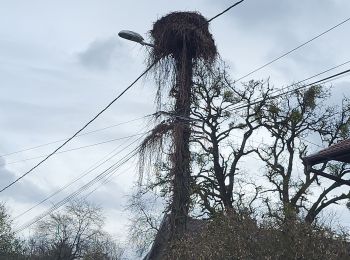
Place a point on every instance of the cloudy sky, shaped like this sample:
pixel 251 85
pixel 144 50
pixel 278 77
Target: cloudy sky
pixel 61 62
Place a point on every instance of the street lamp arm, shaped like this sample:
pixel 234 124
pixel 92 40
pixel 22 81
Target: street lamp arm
pixel 147 44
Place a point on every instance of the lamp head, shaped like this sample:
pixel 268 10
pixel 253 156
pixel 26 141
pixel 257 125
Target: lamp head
pixel 131 36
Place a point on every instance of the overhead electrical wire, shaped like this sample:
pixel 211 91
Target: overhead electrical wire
pixel 104 182
pixel 73 195
pixel 336 78
pixel 299 82
pixel 294 49
pixel 67 199
pixel 327 79
pixel 226 10
pixel 311 77
pixel 82 134
pixel 72 149
pixel 296 83
pixel 109 171
pixel 95 166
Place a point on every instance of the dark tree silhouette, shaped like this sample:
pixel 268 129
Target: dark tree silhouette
pixel 290 120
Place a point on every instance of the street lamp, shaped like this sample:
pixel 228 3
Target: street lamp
pixel 338 152
pixel 133 36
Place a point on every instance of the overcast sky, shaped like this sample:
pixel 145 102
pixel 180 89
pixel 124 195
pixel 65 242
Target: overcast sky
pixel 61 62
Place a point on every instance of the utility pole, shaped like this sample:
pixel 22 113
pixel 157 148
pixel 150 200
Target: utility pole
pixel 181 137
pixel 181 39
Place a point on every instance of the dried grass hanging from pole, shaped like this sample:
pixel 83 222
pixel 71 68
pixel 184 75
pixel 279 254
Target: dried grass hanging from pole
pixel 174 35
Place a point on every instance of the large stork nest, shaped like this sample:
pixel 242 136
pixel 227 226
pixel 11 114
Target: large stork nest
pixel 177 37
pixel 171 32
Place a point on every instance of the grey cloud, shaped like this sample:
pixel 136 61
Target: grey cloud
pixel 282 15
pixel 339 91
pixel 100 53
pixel 285 24
pixel 5 175
pixel 110 196
pixel 23 191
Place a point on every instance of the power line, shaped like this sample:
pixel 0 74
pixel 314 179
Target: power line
pixel 299 82
pixel 65 200
pixel 73 149
pixel 107 180
pixel 81 129
pixel 104 160
pixel 294 49
pixel 336 78
pixel 110 170
pixel 327 79
pixel 313 76
pixel 86 133
pixel 226 10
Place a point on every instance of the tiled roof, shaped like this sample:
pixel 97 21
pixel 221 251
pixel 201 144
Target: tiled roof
pixel 338 152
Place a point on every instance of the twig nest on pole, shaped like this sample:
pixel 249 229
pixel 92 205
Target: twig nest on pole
pixel 177 30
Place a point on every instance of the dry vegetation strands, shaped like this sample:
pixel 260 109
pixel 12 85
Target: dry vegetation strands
pixel 181 40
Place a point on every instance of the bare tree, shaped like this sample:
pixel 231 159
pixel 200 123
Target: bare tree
pixel 222 137
pixel 10 246
pixel 290 120
pixel 226 120
pixel 145 220
pixel 75 233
